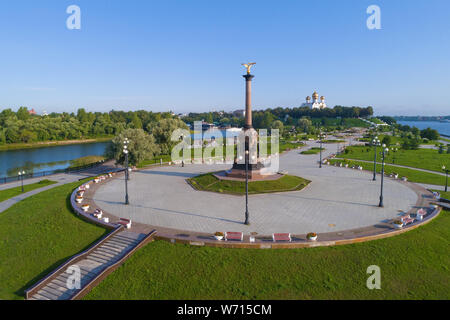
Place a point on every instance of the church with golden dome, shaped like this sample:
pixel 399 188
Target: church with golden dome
pixel 315 103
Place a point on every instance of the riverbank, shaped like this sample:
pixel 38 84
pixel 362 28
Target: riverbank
pixel 45 144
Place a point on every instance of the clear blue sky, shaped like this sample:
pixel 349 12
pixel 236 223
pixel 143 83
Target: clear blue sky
pixel 185 55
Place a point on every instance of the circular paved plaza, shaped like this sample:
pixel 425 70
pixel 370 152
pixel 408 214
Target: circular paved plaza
pixel 336 199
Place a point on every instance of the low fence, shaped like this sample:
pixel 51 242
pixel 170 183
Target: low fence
pixel 26 176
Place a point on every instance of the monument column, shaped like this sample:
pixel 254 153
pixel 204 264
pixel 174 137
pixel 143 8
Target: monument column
pixel 248 101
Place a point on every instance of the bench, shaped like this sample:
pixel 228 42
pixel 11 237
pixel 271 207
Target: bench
pixel 125 222
pixel 238 236
pixel 281 237
pixel 404 217
pixel 408 220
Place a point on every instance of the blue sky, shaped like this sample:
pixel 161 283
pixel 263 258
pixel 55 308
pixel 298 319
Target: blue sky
pixel 186 55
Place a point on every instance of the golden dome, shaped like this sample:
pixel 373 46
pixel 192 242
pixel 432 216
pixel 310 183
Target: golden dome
pixel 308 98
pixel 322 98
pixel 315 95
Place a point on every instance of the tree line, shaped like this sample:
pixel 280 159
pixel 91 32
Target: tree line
pixel 23 127
pixel 289 116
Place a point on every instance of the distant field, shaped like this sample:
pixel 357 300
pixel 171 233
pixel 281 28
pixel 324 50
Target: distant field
pixel 411 174
pixel 422 158
pixel 84 161
pixel 314 150
pixel 44 144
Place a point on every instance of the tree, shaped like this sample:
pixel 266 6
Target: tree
pixel 142 146
pixel 304 124
pixel 386 140
pixel 162 131
pixel 23 114
pixel 277 124
pixel 410 144
pixel 430 134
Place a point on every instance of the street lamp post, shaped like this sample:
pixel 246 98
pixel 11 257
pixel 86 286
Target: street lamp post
pixel 21 176
pixel 247 222
pixel 446 177
pixel 393 157
pixel 125 151
pixel 382 174
pixel 320 149
pixel 375 143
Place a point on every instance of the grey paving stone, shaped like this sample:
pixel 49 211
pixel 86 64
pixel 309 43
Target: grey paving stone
pixel 337 199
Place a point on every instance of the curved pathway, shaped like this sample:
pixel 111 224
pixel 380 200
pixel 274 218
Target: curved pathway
pixel 60 178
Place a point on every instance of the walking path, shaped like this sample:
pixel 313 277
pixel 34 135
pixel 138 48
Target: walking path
pixel 60 178
pixel 337 199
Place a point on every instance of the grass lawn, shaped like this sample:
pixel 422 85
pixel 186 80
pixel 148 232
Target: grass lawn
pixel 208 182
pixel 11 193
pixel 414 265
pixel 333 141
pixel 445 195
pixel 84 161
pixel 313 150
pixel 44 144
pixel 411 174
pixel 37 235
pixel 422 158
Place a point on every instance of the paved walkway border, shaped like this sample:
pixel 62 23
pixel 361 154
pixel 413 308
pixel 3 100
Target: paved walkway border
pixel 380 231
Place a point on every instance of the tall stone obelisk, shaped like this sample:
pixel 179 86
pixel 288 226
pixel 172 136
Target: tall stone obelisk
pixel 248 100
pixel 251 136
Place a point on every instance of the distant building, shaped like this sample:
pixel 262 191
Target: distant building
pixel 239 113
pixel 32 112
pixel 315 103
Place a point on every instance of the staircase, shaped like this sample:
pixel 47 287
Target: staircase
pixel 93 264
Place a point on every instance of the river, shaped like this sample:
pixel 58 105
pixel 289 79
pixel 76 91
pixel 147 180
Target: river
pixel 46 158
pixel 441 127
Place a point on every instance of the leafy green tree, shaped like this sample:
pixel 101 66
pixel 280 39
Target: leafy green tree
pixel 430 134
pixel 304 124
pixel 23 114
pixel 277 124
pixel 142 146
pixel 162 131
pixel 386 140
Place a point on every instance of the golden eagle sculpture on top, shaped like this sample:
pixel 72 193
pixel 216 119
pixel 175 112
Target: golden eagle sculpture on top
pixel 248 66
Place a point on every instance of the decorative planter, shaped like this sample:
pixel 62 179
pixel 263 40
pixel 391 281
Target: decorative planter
pixel 85 207
pixel 311 236
pixel 218 238
pixel 106 220
pixel 79 199
pixel 96 180
pixel 398 226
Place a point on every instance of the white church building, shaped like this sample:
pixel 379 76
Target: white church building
pixel 315 103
